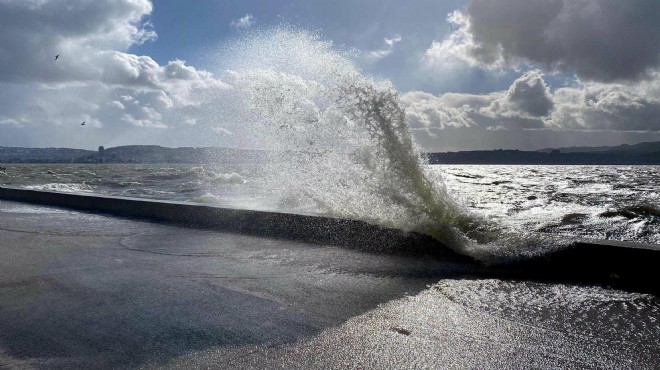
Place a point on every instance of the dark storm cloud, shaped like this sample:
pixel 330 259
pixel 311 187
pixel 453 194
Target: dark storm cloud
pixel 612 47
pixel 527 97
pixel 603 40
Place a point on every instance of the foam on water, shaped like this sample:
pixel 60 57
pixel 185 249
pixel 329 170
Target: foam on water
pixel 63 187
pixel 339 143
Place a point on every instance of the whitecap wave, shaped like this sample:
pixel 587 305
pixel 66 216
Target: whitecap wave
pixel 64 187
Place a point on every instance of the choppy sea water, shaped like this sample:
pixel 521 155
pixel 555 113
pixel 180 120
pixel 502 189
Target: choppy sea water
pixel 606 202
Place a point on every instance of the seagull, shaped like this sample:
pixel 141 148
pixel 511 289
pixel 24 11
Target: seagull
pixel 57 56
pixel 82 124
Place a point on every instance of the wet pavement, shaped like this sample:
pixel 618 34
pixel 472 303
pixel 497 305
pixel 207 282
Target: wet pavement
pixel 82 290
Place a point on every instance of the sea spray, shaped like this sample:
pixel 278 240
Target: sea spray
pixel 338 143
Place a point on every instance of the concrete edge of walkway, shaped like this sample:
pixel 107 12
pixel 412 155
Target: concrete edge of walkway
pixel 323 230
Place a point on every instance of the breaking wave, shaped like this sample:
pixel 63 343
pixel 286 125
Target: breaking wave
pixel 338 142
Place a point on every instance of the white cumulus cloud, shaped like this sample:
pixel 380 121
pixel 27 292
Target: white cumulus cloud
pixel 95 79
pixel 460 49
pixel 388 48
pixel 246 21
pixel 529 103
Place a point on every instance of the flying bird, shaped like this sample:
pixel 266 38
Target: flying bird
pixel 57 56
pixel 82 124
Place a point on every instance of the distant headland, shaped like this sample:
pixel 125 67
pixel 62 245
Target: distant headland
pixel 126 154
pixel 647 153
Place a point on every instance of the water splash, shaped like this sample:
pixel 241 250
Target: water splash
pixel 338 144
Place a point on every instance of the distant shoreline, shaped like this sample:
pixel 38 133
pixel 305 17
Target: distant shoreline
pixel 638 154
pixel 514 157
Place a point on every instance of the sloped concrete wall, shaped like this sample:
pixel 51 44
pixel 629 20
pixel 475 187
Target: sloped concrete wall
pixel 308 228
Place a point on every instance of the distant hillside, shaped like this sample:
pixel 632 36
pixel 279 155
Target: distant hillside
pixel 647 147
pixel 643 153
pixel 41 155
pixel 159 154
pixel 127 154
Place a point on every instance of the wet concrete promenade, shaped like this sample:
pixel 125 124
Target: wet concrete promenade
pixel 84 290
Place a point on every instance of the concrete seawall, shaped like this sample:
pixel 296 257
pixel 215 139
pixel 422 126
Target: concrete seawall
pixel 298 227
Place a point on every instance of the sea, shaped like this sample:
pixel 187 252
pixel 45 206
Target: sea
pixel 602 202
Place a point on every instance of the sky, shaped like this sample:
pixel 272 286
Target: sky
pixel 471 74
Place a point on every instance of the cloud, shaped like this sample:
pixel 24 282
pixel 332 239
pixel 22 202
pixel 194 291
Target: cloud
pixel 35 31
pixel 528 97
pixel 390 44
pixel 95 79
pixel 609 107
pixel 525 105
pixel 613 49
pixel 9 121
pixel 459 49
pixel 222 131
pixel 393 41
pixel 597 40
pixel 246 21
pixel 425 111
pixel 117 104
pixel 529 103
